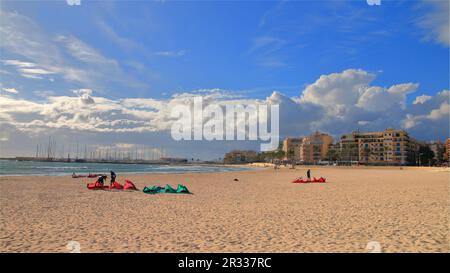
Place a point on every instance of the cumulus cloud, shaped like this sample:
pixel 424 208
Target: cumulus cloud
pixel 338 88
pixel 430 119
pixel 336 103
pixel 434 115
pixel 348 101
pixel 376 99
pixel 85 95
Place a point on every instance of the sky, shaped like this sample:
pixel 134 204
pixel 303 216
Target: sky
pixel 108 72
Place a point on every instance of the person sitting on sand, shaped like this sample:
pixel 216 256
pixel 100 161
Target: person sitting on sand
pixel 308 174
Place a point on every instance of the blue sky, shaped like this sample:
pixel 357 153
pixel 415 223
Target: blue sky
pixel 250 46
pixel 141 49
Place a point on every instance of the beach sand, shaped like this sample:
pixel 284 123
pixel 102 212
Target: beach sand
pixel 404 210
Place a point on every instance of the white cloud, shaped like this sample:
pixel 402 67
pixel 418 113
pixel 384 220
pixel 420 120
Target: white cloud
pixel 268 44
pixel 348 100
pixel 124 43
pixel 363 122
pixel 376 99
pixel 38 54
pixel 429 120
pixel 85 95
pixel 435 21
pixel 18 63
pixel 266 48
pixel 31 76
pixel 38 71
pixel 82 51
pixel 170 53
pixel 10 90
pixel 28 69
pixel 43 93
pixel 338 88
pixel 434 115
pixel 422 99
pixel 338 92
pixel 356 103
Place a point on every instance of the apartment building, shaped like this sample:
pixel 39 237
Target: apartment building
pixel 314 148
pixel 349 148
pixel 389 147
pixel 291 148
pixel 240 157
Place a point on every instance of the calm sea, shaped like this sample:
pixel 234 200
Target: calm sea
pixel 12 167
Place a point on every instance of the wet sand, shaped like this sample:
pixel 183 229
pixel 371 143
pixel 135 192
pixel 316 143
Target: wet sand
pixel 404 210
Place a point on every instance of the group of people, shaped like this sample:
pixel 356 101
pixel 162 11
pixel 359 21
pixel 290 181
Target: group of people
pixel 102 178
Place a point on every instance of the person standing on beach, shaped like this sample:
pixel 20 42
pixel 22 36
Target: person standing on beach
pixel 113 177
pixel 308 174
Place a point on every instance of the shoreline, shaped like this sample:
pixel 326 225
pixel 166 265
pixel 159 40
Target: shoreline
pixel 153 169
pixel 245 168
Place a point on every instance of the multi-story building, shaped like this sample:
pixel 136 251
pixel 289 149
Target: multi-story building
pixel 314 148
pixel 240 157
pixel 438 149
pixel 390 147
pixel 349 148
pixel 291 148
pixel 334 152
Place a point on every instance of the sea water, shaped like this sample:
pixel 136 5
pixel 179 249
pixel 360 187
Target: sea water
pixel 13 167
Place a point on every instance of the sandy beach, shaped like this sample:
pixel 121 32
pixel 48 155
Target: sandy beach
pixel 405 210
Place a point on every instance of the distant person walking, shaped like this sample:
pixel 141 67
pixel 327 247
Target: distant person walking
pixel 308 174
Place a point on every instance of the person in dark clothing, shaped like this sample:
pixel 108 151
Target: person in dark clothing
pixel 113 177
pixel 308 174
pixel 101 179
